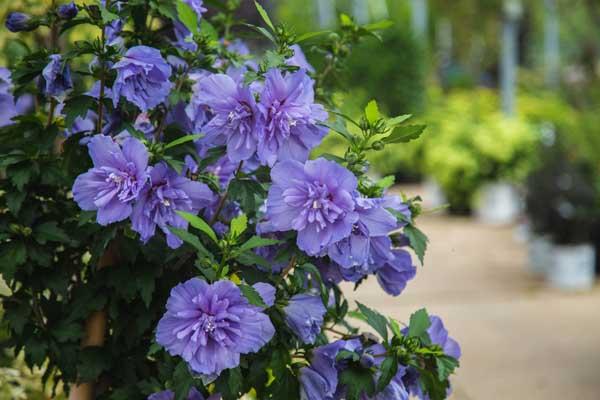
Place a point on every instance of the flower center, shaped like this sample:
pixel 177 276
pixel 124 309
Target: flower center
pixel 315 203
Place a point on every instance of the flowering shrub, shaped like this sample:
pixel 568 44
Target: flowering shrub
pixel 164 233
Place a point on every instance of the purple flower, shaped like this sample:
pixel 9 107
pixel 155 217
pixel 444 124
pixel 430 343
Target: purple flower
pixel 373 221
pixel 319 381
pixel 68 11
pixel 166 193
pixel 299 59
pixel 113 28
pixel 315 199
pixel 396 272
pixel 304 316
pixel 289 117
pixel 395 390
pixel 7 109
pixel 57 77
pixel 142 77
pixel 193 394
pixel 234 115
pixel 19 22
pixel 115 181
pixel 266 292
pixel 143 124
pixel 83 124
pixel 210 325
pixel 5 81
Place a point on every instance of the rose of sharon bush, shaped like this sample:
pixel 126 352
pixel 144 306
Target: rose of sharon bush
pixel 315 199
pixel 209 326
pixel 205 198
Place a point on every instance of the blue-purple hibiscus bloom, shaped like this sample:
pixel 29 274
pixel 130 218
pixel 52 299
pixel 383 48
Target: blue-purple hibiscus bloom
pixel 193 394
pixel 304 316
pixel 182 33
pixel 142 78
pixel 210 325
pixel 234 115
pixel 316 199
pixel 116 179
pixel 395 272
pixel 67 11
pixel 164 194
pixel 56 77
pixel 289 126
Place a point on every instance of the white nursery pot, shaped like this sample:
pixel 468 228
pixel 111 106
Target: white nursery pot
pixel 433 195
pixel 498 203
pixel 540 254
pixel 572 267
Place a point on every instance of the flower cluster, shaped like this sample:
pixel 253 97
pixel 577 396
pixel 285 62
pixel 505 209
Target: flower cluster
pixel 195 142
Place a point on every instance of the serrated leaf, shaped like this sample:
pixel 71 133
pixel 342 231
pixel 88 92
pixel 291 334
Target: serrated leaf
pixel 187 16
pixel 264 16
pixel 199 224
pixel 14 201
pixel 372 112
pixel 13 254
pixel 357 381
pixel 418 241
pixel 404 134
pixel 375 320
pixel 252 295
pixel 388 369
pixel 50 232
pixel 190 239
pixel 182 140
pixel 19 176
pixel 250 258
pixel 445 366
pixel 183 381
pixel 238 225
pixel 77 106
pixel 67 331
pixel 419 323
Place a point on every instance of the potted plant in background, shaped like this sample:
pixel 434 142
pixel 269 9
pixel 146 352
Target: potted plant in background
pixel 562 207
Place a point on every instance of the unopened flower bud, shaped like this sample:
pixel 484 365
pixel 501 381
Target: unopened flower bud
pixel 68 11
pixel 378 145
pixel 20 22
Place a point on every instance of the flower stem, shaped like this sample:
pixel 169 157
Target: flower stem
pixel 224 198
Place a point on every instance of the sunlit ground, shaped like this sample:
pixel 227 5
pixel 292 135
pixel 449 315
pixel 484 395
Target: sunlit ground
pixel 520 339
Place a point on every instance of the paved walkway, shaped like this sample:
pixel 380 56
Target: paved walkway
pixel 520 339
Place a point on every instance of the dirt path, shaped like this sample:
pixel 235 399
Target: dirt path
pixel 520 339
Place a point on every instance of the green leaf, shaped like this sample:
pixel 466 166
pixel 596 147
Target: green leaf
pixel 229 384
pixel 145 284
pixel 433 387
pixel 183 381
pixel 107 16
pixel 372 112
pixel 419 323
pixel 245 191
pixel 393 122
pixel 77 106
pixel 250 258
pixel 357 382
pixel 339 126
pixel 50 232
pixel 238 225
pixel 199 224
pixel 388 368
pixel 257 241
pixel 310 35
pixel 347 355
pixel 182 140
pixel 19 176
pixel 67 331
pixel 404 134
pixel 13 255
pixel 395 327
pixel 93 360
pixel 418 241
pixel 265 16
pixel 14 201
pixel 190 239
pixel 445 366
pixel 263 31
pixel 386 182
pixel 375 320
pixel 187 16
pixel 379 25
pixel 252 295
